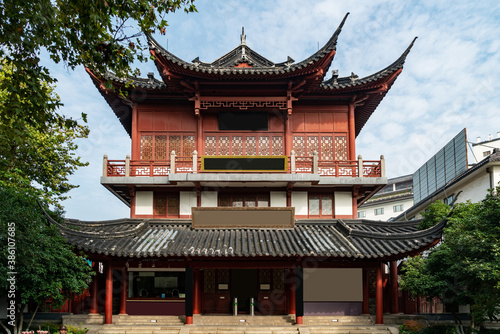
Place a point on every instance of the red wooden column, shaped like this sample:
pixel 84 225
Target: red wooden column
pixel 379 295
pixel 352 133
pixel 291 292
pixel 135 133
pixel 94 306
pixel 288 135
pixel 394 288
pixel 108 307
pixel 124 291
pixel 199 136
pixel 196 292
pixel 366 291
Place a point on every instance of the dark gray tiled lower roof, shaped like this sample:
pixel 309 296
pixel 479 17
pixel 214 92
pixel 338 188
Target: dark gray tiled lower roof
pixel 138 238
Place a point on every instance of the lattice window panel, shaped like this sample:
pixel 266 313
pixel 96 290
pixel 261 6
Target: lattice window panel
pixel 251 145
pixel 224 145
pixel 223 276
pixel 278 280
pixel 265 276
pixel 187 146
pixel 211 145
pixel 209 280
pixel 146 147
pixel 340 148
pixel 299 146
pixel 161 148
pixel 277 145
pixel 326 148
pixel 263 145
pixel 174 145
pixel 237 145
pixel 312 145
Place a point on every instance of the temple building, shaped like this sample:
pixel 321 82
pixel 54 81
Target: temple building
pixel 243 186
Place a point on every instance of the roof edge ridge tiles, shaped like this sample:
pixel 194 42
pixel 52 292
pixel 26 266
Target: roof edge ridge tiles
pixel 438 228
pixel 395 65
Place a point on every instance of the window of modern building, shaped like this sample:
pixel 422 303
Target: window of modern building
pixel 361 214
pixel 398 208
pixel 321 205
pixel 157 284
pixel 246 200
pixel 166 205
pixel 379 211
pixel 388 188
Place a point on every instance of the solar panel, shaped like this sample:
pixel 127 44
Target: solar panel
pixel 443 167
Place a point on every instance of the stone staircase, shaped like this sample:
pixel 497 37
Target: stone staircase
pixel 243 324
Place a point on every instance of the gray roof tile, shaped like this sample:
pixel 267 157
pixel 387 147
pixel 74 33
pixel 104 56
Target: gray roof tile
pixel 355 239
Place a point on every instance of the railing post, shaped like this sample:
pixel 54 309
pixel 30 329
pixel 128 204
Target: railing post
pixel 315 162
pixel 105 165
pixel 292 161
pixel 360 166
pixel 195 161
pixel 382 166
pixel 127 166
pixel 172 162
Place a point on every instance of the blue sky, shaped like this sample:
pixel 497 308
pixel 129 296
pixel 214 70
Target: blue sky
pixel 450 79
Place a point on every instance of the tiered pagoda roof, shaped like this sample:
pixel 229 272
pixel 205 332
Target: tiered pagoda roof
pixel 303 80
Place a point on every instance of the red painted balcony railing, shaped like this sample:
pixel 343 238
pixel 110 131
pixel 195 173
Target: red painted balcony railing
pixel 296 164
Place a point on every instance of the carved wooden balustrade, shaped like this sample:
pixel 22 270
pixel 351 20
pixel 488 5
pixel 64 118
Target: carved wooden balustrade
pixel 296 164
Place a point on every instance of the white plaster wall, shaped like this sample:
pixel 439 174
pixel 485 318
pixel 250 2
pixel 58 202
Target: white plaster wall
pixel 209 198
pixel 496 176
pixel 143 202
pixel 299 201
pixel 388 209
pixel 187 200
pixel 475 190
pixel 343 203
pixel 343 285
pixel 278 198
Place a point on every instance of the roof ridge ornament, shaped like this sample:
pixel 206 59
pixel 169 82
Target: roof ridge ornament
pixel 243 37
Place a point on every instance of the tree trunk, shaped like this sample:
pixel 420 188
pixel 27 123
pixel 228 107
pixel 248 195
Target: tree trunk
pixel 33 315
pixel 7 330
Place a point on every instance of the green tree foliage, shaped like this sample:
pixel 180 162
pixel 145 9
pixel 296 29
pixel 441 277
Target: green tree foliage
pixel 35 157
pixel 100 34
pixel 35 260
pixel 465 267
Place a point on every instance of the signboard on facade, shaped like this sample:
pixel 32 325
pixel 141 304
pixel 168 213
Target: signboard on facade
pixel 229 217
pixel 244 163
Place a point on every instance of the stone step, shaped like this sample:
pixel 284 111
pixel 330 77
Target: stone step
pixel 148 319
pixel 338 320
pixel 235 330
pixel 349 330
pixel 137 330
pixel 244 320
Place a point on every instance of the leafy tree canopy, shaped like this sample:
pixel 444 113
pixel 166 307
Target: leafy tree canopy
pixel 102 35
pixel 34 257
pixel 465 267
